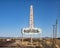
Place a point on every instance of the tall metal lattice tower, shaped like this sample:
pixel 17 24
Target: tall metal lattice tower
pixel 31 29
pixel 31 18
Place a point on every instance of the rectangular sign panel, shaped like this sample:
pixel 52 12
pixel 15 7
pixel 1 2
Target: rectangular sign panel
pixel 31 31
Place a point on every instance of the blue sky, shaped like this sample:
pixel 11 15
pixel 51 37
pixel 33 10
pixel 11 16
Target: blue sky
pixel 14 15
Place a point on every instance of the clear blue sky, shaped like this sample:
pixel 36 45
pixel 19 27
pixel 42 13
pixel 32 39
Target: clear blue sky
pixel 14 15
